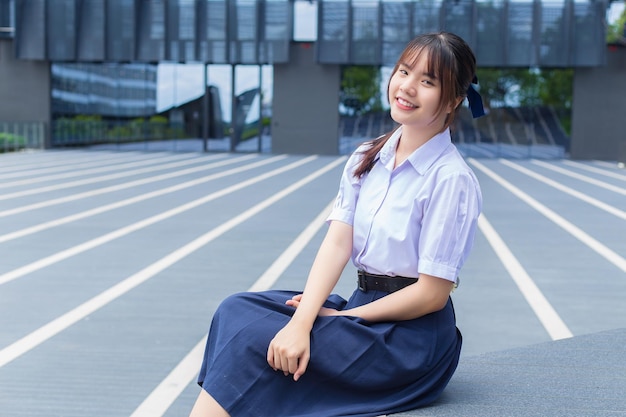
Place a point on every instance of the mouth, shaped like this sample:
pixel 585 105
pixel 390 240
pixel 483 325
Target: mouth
pixel 402 103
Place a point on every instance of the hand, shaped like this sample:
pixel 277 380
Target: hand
pixel 290 350
pixel 324 311
pixel 294 301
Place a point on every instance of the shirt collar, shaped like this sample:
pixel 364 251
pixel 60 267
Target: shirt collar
pixel 423 157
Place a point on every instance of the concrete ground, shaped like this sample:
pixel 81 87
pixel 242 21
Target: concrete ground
pixel 112 263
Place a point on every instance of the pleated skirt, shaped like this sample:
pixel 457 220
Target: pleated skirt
pixel 357 368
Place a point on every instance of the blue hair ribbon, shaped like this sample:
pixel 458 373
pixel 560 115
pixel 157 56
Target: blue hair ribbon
pixel 475 100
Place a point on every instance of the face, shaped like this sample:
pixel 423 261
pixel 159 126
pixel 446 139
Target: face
pixel 414 96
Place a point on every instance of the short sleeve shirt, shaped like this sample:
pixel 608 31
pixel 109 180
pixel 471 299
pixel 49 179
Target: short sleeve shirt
pixel 419 218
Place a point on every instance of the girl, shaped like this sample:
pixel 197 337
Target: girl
pixel 405 214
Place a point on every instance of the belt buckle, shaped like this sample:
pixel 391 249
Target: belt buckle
pixel 361 281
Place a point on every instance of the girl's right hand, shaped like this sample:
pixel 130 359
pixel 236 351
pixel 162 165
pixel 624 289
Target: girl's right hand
pixel 289 351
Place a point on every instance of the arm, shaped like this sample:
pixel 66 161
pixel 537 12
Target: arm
pixel 446 237
pixel 427 295
pixel 290 349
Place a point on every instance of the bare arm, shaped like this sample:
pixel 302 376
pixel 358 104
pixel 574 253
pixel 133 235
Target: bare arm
pixel 427 295
pixel 290 349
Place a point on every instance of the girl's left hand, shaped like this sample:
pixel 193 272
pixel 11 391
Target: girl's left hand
pixel 324 311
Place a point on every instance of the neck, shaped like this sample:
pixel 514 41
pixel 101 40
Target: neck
pixel 413 138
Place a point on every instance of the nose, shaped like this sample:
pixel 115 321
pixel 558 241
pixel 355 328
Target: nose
pixel 407 88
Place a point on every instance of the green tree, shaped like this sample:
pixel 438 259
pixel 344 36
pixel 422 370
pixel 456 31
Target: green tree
pixel 615 32
pixel 360 89
pixel 503 87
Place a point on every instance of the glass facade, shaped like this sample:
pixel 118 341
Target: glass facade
pixel 503 33
pixel 207 31
pixel 109 90
pixel 7 18
pixel 104 53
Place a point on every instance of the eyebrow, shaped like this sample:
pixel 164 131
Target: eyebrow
pixel 428 74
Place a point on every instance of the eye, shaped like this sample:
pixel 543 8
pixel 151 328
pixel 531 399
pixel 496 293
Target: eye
pixel 403 72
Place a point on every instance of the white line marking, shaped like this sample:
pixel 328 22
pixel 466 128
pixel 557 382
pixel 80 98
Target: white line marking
pixel 107 167
pixel 75 250
pixel 98 210
pixel 586 239
pixel 58 161
pixel 612 165
pixel 118 187
pixel 602 184
pixel 102 178
pixel 584 197
pixel 164 395
pixel 600 171
pixel 281 263
pixel 550 319
pixel 61 323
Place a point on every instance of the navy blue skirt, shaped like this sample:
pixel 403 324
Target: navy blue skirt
pixel 357 368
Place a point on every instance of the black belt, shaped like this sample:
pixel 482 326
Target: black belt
pixel 382 282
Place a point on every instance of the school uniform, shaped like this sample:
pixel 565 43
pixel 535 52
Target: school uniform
pixel 417 218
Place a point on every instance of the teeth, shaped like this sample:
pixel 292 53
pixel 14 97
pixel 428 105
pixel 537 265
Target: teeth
pixel 405 103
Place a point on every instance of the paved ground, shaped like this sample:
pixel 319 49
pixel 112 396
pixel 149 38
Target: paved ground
pixel 112 263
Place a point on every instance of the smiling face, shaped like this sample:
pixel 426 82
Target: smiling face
pixel 429 82
pixel 415 96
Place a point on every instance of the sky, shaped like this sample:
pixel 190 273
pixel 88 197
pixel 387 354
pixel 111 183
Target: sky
pixel 615 11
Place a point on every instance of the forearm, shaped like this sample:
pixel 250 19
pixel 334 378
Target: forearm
pixel 427 295
pixel 330 261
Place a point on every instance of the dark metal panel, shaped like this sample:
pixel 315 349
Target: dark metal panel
pixel 275 30
pixel 365 34
pixel 427 16
pixel 151 30
pixel 554 37
pixel 61 30
pixel 244 29
pixel 397 24
pixel 7 18
pixel 181 30
pixel 213 31
pixel 519 33
pixel 333 36
pixel 490 28
pixel 588 34
pixel 90 38
pixel 502 32
pixel 458 17
pixel 30 29
pixel 120 30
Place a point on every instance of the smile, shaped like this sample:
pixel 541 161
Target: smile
pixel 405 103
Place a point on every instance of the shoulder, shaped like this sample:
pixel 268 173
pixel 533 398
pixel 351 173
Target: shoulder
pixel 452 163
pixel 357 156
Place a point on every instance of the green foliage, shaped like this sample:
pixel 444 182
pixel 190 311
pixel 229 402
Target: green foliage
pixel 615 31
pixel 360 89
pixel 529 87
pixel 92 129
pixel 158 119
pixel 11 142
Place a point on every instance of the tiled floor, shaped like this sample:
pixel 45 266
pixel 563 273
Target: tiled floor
pixel 111 264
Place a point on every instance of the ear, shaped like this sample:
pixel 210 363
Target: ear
pixel 456 104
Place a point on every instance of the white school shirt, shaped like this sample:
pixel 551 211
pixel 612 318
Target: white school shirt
pixel 419 218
